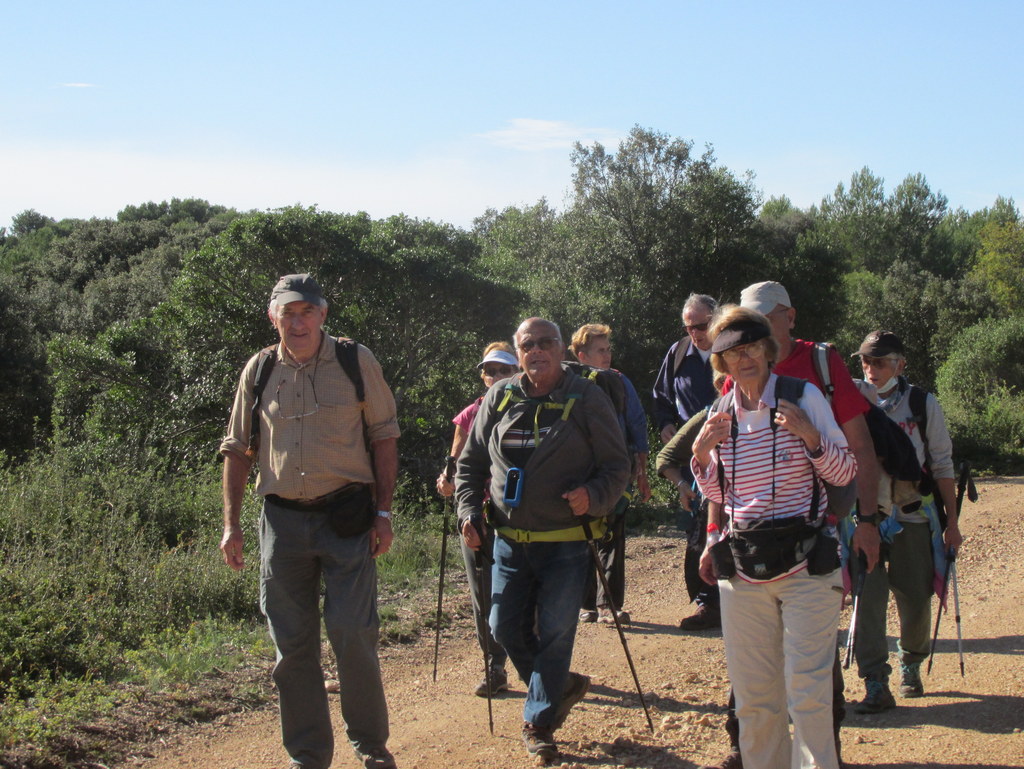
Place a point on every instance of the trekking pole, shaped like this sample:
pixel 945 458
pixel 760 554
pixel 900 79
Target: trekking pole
pixel 964 484
pixel 482 630
pixel 858 588
pixel 585 523
pixel 950 560
pixel 956 608
pixel 449 472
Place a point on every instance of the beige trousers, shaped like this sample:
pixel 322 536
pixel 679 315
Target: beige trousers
pixel 780 644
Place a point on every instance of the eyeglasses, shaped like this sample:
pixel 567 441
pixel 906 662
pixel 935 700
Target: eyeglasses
pixel 545 343
pixel 497 371
pixel 886 360
pixel 697 326
pixel 752 351
pixel 316 403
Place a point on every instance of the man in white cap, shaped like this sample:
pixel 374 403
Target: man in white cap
pixel 327 469
pixel 796 359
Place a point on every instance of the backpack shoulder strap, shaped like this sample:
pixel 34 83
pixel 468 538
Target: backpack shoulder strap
pixel 790 388
pixel 681 347
pixel 347 351
pixel 264 367
pixel 820 357
pixel 918 401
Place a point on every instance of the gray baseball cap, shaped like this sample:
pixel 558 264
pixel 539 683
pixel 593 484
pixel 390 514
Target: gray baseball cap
pixel 297 288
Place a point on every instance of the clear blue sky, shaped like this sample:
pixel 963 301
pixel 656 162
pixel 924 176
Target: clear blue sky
pixel 441 110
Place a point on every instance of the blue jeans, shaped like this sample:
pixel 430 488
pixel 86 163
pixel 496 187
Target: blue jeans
pixel 537 590
pixel 298 552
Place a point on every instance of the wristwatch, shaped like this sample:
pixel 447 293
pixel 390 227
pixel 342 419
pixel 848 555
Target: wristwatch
pixel 872 519
pixel 384 514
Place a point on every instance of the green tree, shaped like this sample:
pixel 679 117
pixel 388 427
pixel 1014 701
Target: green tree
pixel 1000 264
pixel 407 289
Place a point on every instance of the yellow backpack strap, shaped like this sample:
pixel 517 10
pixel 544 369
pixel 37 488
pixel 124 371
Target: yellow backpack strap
pixel 569 402
pixel 509 396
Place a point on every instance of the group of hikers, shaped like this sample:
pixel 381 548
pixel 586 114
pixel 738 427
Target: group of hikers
pixel 798 482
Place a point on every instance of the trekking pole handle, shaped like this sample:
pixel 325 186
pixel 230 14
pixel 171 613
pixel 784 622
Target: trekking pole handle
pixel 449 468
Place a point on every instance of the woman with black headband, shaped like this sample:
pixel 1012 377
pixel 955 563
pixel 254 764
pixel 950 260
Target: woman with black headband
pixel 762 455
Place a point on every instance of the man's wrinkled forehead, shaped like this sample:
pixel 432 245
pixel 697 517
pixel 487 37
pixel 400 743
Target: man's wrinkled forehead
pixel 537 328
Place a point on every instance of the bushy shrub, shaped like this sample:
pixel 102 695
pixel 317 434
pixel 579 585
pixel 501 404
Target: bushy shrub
pixel 87 570
pixel 981 387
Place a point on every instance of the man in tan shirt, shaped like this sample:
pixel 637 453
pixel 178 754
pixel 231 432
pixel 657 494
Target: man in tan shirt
pixel 327 470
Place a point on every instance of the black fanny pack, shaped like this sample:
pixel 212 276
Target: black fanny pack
pixel 350 510
pixel 770 548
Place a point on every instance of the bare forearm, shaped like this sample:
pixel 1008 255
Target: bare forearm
pixel 385 470
pixel 235 476
pixel 947 490
pixel 859 440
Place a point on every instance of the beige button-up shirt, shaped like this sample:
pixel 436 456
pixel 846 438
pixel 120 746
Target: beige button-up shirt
pixel 311 432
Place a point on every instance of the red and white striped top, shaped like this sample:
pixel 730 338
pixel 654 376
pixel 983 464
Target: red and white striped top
pixel 765 489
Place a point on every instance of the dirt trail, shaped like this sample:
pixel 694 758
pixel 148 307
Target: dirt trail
pixel 974 721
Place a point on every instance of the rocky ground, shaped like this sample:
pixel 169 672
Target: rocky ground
pixel 975 721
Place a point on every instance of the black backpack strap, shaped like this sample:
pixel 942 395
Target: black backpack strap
pixel 347 352
pixel 791 388
pixel 918 400
pixel 788 388
pixel 264 367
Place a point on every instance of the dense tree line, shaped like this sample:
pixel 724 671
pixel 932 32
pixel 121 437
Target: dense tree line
pixel 124 338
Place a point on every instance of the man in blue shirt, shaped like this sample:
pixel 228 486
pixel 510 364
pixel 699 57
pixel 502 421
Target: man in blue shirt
pixel 683 388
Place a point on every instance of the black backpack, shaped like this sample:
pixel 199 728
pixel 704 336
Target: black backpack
pixel 347 351
pixel 893 447
pixel 609 380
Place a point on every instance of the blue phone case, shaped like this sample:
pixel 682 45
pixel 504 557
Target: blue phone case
pixel 513 487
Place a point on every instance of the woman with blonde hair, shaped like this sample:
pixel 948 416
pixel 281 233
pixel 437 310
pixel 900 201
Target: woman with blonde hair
pixel 763 455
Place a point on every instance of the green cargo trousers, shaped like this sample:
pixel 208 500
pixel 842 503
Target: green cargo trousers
pixel 905 567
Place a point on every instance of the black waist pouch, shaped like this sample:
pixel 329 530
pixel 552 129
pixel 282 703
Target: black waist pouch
pixel 722 562
pixel 770 548
pixel 824 555
pixel 350 510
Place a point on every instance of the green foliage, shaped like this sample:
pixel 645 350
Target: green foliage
pixel 873 230
pixel 95 558
pixel 981 387
pixel 924 310
pixel 1000 264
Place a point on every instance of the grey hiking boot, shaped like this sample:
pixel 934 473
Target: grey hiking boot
pixel 910 685
pixel 539 742
pixel 575 689
pixel 878 697
pixel 499 683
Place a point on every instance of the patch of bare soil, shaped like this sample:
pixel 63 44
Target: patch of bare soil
pixel 975 721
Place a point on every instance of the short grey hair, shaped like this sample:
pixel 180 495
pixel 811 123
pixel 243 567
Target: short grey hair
pixel 272 308
pixel 535 321
pixel 703 300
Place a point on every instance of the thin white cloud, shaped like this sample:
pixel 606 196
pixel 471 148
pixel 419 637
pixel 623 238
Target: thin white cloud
pixel 531 135
pixel 78 85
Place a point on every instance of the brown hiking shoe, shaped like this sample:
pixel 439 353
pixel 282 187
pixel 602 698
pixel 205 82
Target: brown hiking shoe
pixel 732 761
pixel 575 689
pixel 539 742
pixel 702 619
